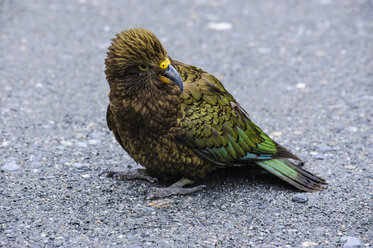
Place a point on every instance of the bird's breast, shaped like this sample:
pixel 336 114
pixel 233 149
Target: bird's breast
pixel 148 115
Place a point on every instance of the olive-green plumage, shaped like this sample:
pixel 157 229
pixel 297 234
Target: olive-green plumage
pixel 189 128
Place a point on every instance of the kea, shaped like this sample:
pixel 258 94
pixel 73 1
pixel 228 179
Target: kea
pixel 180 123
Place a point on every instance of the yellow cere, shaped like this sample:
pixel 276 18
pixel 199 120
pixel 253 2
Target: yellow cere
pixel 164 64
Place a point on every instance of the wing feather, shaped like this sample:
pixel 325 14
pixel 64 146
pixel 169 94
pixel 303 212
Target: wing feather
pixel 216 126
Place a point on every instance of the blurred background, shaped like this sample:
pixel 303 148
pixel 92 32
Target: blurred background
pixel 302 69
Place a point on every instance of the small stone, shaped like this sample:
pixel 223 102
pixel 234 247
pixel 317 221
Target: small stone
pixel 309 244
pixel 220 26
pixel 86 176
pixel 276 134
pixel 319 157
pixel 351 167
pixel 351 242
pixel 163 203
pixel 66 143
pixel 93 141
pixel 300 85
pixel 77 165
pixel 300 198
pixel 352 129
pixel 92 125
pixel 11 165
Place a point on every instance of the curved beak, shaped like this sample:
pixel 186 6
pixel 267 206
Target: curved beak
pixel 170 75
pixel 174 76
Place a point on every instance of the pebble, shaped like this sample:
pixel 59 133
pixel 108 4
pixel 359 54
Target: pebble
pixel 351 242
pixel 162 203
pixel 352 129
pixel 276 134
pixel 10 166
pixel 66 143
pixel 220 26
pixel 309 244
pixel 77 165
pixel 300 85
pixel 319 157
pixel 92 125
pixel 93 141
pixel 300 198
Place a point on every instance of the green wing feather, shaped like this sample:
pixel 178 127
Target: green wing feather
pixel 217 128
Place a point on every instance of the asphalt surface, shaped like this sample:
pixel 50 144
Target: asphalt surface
pixel 302 69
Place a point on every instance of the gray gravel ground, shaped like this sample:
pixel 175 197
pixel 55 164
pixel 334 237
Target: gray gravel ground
pixel 302 69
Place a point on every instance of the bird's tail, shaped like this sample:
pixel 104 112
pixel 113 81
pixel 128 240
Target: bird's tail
pixel 293 174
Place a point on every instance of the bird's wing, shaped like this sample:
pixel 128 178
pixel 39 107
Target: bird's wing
pixel 216 126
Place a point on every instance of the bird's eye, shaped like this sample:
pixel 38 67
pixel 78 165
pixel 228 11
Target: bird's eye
pixel 143 67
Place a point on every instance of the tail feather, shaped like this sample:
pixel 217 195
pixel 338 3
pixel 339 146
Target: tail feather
pixel 293 174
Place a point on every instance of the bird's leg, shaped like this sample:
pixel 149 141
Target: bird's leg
pixel 130 175
pixel 174 189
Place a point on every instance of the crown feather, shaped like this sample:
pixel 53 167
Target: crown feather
pixel 132 47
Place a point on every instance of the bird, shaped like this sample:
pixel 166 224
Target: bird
pixel 180 122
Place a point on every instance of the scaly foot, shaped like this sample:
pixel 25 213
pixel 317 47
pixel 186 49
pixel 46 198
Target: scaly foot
pixel 174 189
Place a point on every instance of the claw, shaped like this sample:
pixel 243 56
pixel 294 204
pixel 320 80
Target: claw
pixel 172 190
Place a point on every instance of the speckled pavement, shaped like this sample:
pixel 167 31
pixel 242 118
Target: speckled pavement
pixel 302 69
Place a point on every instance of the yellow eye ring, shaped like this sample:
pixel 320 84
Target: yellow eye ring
pixel 143 67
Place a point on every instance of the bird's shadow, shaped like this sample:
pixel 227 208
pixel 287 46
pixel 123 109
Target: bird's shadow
pixel 236 177
pixel 231 178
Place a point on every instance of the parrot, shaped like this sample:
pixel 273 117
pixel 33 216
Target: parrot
pixel 180 123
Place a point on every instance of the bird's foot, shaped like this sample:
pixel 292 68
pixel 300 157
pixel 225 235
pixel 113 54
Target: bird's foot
pixel 174 189
pixel 131 175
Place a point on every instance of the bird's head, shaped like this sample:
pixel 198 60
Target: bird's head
pixel 136 60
